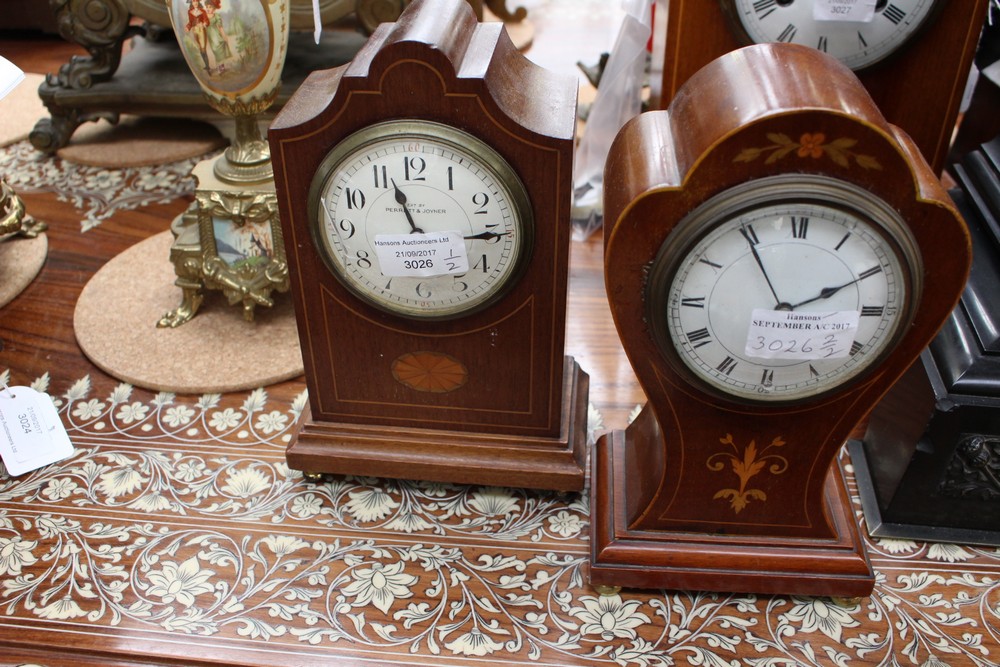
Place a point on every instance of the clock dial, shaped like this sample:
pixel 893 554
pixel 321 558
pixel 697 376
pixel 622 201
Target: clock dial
pixel 864 38
pixel 783 295
pixel 420 219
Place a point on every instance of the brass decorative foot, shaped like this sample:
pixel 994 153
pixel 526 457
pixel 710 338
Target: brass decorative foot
pixel 13 219
pixel 606 591
pixel 846 602
pixel 191 299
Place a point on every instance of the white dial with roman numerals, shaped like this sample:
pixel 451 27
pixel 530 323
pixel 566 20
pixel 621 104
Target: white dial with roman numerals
pixel 420 219
pixel 783 290
pixel 856 43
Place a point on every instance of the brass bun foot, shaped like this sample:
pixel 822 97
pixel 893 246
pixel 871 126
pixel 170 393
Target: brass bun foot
pixel 847 602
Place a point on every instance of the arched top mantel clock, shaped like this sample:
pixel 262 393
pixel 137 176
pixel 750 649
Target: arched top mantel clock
pixel 425 190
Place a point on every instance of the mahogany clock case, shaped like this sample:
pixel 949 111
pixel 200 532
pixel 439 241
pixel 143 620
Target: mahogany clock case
pixel 919 88
pixel 514 408
pixel 662 516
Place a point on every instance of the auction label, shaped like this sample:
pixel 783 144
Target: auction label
pixel 858 11
pixel 422 254
pixel 31 433
pixel 782 334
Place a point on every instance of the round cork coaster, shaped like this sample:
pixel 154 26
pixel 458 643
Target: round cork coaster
pixel 141 142
pixel 215 352
pixel 20 261
pixel 21 109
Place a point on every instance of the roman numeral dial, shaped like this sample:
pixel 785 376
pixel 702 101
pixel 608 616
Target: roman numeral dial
pixel 857 35
pixel 800 296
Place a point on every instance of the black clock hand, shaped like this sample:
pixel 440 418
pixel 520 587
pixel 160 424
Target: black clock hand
pixel 486 236
pixel 827 292
pixel 401 200
pixel 753 249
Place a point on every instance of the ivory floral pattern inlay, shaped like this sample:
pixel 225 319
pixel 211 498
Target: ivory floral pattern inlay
pixel 178 515
pixel 97 192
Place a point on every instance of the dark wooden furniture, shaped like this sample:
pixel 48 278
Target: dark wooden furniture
pixel 659 488
pixel 152 79
pixel 519 417
pixel 928 466
pixel 919 89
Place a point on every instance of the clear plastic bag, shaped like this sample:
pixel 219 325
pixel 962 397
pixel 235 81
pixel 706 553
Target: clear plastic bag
pixel 619 98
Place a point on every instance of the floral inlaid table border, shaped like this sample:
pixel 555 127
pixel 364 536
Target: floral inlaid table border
pixel 178 517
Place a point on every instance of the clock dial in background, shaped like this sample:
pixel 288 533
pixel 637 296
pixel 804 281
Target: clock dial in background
pixel 912 56
pixel 856 33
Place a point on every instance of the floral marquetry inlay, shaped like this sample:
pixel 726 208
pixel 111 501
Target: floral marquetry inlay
pixel 746 464
pixel 810 145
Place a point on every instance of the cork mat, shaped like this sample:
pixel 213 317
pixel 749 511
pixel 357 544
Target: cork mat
pixel 140 142
pixel 20 261
pixel 216 352
pixel 21 109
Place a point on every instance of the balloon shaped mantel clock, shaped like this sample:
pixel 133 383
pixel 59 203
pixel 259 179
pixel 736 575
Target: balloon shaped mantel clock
pixel 425 189
pixel 776 256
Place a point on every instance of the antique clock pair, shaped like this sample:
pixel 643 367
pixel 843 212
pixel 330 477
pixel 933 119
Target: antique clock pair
pixel 776 255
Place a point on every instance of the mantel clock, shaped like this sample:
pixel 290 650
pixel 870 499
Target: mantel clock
pixel 425 192
pixel 776 256
pixel 913 56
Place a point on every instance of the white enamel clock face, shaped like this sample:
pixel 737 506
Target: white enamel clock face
pixel 857 43
pixel 420 219
pixel 784 297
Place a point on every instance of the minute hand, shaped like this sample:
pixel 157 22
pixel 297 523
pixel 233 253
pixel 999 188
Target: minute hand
pixel 827 292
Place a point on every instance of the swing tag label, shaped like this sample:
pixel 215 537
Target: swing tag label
pixel 31 433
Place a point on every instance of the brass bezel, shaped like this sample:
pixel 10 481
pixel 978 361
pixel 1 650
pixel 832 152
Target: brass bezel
pixel 731 203
pixel 455 140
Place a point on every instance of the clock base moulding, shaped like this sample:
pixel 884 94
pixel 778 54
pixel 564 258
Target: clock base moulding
pixel 555 463
pixel 622 556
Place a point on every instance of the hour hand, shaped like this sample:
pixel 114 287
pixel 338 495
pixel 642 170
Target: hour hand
pixel 827 292
pixel 401 200
pixel 486 236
